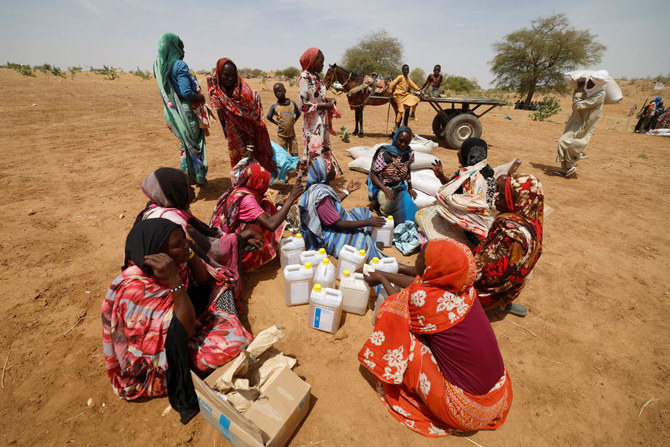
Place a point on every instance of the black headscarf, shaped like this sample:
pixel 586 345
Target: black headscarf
pixel 146 238
pixel 473 151
pixel 166 187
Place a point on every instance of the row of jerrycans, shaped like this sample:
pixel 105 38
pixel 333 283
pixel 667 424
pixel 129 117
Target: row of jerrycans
pixel 310 278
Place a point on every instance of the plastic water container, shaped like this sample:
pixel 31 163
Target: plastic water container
pixel 297 283
pixel 290 248
pixel 351 259
pixel 325 274
pixel 381 297
pixel 355 293
pixel 389 265
pixel 384 234
pixel 313 256
pixel 325 309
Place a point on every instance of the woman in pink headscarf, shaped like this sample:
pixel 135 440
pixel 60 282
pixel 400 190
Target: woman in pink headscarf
pixel 317 113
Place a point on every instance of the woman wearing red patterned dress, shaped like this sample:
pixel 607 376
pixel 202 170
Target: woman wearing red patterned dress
pixel 241 114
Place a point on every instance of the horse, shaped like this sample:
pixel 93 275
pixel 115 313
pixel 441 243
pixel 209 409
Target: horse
pixel 359 92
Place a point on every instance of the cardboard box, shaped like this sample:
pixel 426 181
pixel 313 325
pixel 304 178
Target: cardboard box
pixel 271 419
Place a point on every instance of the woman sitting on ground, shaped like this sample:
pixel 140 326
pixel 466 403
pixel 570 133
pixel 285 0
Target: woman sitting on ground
pixel 160 318
pixel 325 223
pixel 170 197
pixel 389 180
pixel 506 258
pixel 245 207
pixel 466 200
pixel 433 351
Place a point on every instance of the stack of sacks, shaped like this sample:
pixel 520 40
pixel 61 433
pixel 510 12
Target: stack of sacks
pixel 423 155
pixel 613 93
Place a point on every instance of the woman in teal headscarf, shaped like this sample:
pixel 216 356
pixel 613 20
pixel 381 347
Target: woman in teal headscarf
pixel 181 95
pixel 389 180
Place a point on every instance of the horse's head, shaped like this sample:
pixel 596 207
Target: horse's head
pixel 330 75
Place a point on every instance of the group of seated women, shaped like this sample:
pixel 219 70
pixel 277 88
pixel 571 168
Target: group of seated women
pixel 174 307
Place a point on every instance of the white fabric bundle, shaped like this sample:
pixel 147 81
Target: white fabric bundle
pixel 361 151
pixel 423 200
pixel 421 161
pixel 601 78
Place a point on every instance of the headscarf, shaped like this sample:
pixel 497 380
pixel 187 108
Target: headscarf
pixel 391 149
pixel 524 196
pixel 599 79
pixel 473 150
pixel 316 189
pixel 435 302
pixel 168 53
pixel 658 99
pixel 146 238
pixel 254 180
pixel 308 58
pixel 167 187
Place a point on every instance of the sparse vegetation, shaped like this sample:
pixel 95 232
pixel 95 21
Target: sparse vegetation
pixel 141 73
pixel 251 73
pixel 418 76
pixel 110 73
pixel 643 156
pixel 74 70
pixel 344 134
pixel 289 73
pixel 48 68
pixel 25 70
pixel 459 84
pixel 548 107
pixel 378 52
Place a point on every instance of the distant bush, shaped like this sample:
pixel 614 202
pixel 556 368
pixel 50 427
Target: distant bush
pixel 141 73
pixel 110 73
pixel 459 84
pixel 418 76
pixel 289 73
pixel 23 69
pixel 548 107
pixel 48 68
pixel 74 70
pixel 251 73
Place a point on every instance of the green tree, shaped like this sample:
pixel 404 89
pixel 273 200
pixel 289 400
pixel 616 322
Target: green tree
pixel 378 52
pixel 536 57
pixel 418 76
pixel 460 84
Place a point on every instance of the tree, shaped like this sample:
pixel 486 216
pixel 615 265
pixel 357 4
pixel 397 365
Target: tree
pixel 534 58
pixel 418 76
pixel 378 52
pixel 459 84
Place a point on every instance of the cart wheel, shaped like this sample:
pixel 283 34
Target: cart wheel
pixel 439 123
pixel 461 127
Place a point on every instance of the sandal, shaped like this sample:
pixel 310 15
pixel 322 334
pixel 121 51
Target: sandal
pixel 516 309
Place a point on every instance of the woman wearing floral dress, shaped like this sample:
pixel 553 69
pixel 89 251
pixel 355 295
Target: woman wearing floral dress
pixel 317 113
pixel 433 351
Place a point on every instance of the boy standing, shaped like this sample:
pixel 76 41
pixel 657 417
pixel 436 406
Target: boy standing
pixel 286 112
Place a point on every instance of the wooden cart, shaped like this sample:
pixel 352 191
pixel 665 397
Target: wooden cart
pixel 455 125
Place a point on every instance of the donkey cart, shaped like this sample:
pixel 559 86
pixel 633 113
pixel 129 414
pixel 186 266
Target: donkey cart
pixel 455 125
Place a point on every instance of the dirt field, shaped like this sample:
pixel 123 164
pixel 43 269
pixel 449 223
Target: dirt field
pixel 585 361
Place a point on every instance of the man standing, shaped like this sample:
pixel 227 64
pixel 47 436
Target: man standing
pixel 587 104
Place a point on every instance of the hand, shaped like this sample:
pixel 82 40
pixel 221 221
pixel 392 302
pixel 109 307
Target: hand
pixel 437 169
pixel 164 269
pixel 373 278
pixel 412 193
pixel 353 186
pixel 376 221
pixel 389 194
pixel 296 191
pixel 252 237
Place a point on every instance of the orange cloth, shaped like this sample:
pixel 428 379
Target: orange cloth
pixel 410 383
pixel 308 58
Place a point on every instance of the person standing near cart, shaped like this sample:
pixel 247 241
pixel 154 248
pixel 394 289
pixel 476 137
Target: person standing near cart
pixel 405 101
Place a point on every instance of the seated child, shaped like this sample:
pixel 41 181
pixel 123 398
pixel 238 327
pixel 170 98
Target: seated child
pixel 433 82
pixel 287 112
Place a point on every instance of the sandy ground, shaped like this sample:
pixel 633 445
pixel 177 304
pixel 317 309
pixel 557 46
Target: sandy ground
pixel 585 361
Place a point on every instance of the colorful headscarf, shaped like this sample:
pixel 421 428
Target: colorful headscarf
pixel 391 149
pixel 168 53
pixel 254 180
pixel 524 196
pixel 316 189
pixel 308 58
